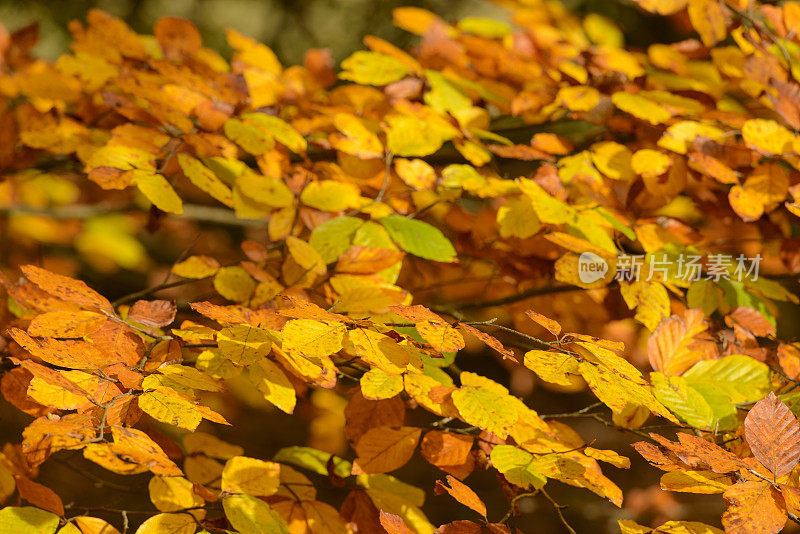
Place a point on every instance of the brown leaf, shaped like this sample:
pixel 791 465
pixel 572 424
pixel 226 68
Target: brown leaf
pixel 460 527
pixel 14 387
pixel 155 313
pixel 177 37
pixel 360 512
pixel 39 495
pixel 362 414
pixel 751 320
pixel 773 433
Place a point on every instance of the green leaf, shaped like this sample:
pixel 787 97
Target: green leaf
pixel 444 96
pixel 419 238
pixel 689 405
pixel 616 223
pixel 27 520
pixel 249 515
pixel 332 238
pixel 312 459
pixel 736 294
pixel 726 382
pixel 517 466
pixel 704 294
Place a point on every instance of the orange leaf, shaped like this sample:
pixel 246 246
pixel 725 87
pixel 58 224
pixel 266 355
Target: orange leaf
pixel 383 449
pixel 754 507
pixel 489 340
pixel 65 324
pixel 549 324
pixel 177 37
pixel 66 288
pixel 449 452
pixel 462 493
pixel 394 524
pixel 39 495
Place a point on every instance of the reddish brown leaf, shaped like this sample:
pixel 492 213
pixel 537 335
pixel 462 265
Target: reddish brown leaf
pixel 362 414
pixel 773 433
pixel 155 313
pixel 39 495
pixel 14 387
pixel 360 512
pixel 460 527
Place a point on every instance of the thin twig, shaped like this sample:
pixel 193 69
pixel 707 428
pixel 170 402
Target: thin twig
pixel 155 289
pixel 559 508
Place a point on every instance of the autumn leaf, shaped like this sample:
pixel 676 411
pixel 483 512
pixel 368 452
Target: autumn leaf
pixel 773 433
pixel 67 288
pixel 384 449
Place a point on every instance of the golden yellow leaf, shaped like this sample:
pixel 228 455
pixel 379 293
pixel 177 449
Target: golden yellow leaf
pixel 168 406
pixel 205 179
pixel 196 267
pixel 649 162
pixel 377 384
pixel 767 136
pixel 705 482
pixel 379 350
pixel 234 283
pixel 250 476
pixel 306 256
pixel 243 344
pixel 168 523
pixel 157 190
pixel 442 337
pixel 553 367
pixel 170 494
pixel 330 195
pixel 270 380
pixel 313 339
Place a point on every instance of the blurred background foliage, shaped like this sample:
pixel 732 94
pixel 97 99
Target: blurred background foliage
pixel 290 27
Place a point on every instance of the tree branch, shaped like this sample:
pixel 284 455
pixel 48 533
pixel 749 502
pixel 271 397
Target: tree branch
pixel 195 212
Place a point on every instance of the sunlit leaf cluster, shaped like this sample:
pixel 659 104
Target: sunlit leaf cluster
pixel 336 238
